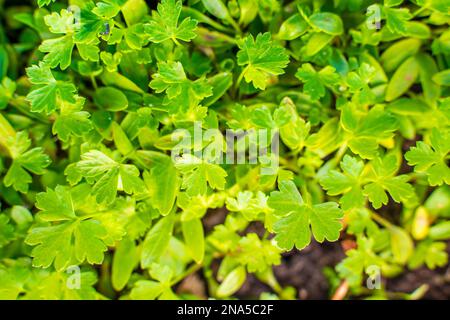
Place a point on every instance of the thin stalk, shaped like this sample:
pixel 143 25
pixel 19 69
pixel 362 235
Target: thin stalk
pixel 381 220
pixel 192 269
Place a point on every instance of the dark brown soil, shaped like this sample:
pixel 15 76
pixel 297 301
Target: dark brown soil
pixel 303 270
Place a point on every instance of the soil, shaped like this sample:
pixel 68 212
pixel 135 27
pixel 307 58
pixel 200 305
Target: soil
pixel 303 269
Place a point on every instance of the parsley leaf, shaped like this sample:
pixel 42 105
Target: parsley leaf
pixel 431 158
pixel 316 82
pixel 262 59
pixel 298 218
pixel 73 239
pixel 366 131
pixel 382 176
pixel 198 174
pixel 6 230
pixel 25 160
pixel 108 176
pixel 150 289
pixel 72 122
pixel 397 19
pixel 358 262
pixel 59 51
pixel 257 254
pixel 347 183
pixel 164 24
pixel 47 92
pixel 108 8
pixel 182 94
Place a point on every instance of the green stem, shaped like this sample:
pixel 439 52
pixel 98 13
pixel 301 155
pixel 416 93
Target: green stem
pixel 235 25
pixel 381 220
pixel 340 153
pixel 192 269
pixel 239 79
pixel 419 11
pixel 176 42
pixel 94 81
pixel 205 19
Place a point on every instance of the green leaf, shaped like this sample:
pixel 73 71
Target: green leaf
pixel 401 244
pixel 198 174
pixel 217 8
pixel 353 267
pixel 110 60
pixel 182 94
pixel 110 99
pixel 220 83
pixel 294 133
pixel 109 176
pixel 432 254
pixel 134 10
pixel 406 106
pixel 91 25
pixel 398 52
pixel 442 78
pixel 232 282
pixel 6 230
pixel 164 24
pixel 7 89
pixel 149 289
pixel 24 161
pixel 42 3
pixel 123 144
pixel 72 240
pixel 194 237
pixel 402 79
pixel 347 183
pixel 59 51
pixel 431 158
pixel 124 261
pixel 327 22
pixel 47 92
pixel 60 23
pixel 292 28
pixel 316 82
pixel 262 59
pixel 440 231
pixel 383 171
pixel 397 19
pixel 156 241
pixel 108 8
pixel 161 181
pixel 72 122
pixel 317 42
pixel 367 129
pixel 298 218
pixel 427 68
pixel 258 255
